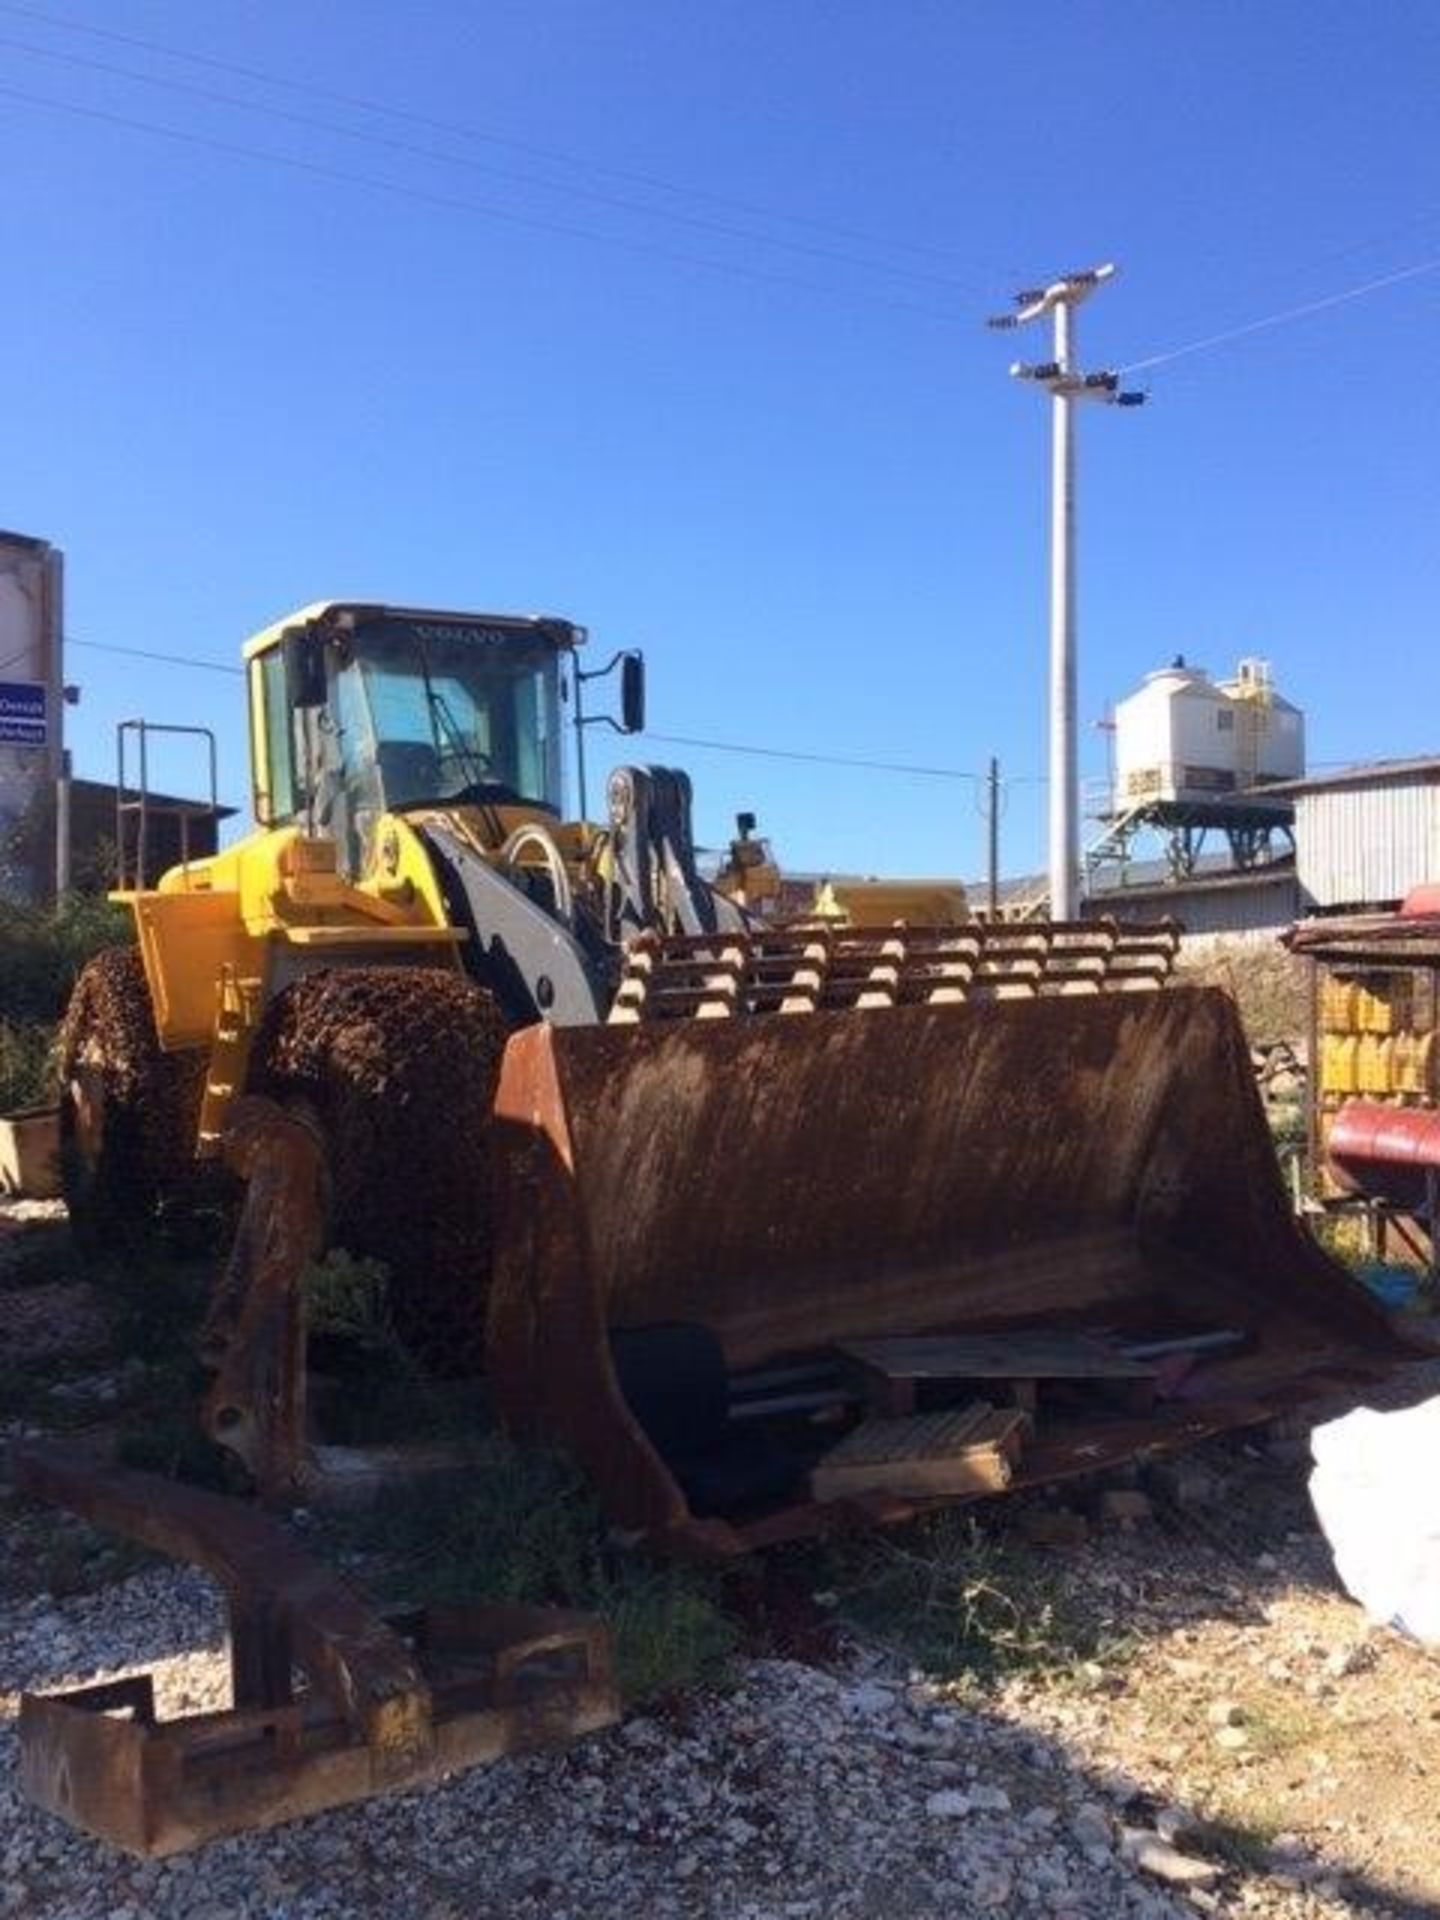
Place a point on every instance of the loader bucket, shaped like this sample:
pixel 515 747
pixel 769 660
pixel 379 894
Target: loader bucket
pixel 785 1189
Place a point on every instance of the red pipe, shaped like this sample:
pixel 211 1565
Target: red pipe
pixel 1386 1151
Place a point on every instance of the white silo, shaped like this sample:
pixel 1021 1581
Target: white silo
pixel 1174 739
pixel 1185 738
pixel 1269 730
pixel 31 706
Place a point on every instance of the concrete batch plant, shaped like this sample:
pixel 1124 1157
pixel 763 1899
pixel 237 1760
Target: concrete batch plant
pixel 1182 738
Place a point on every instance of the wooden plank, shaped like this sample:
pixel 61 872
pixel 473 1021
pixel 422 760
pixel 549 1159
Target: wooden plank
pixel 1041 1355
pixel 963 1450
pixel 922 1434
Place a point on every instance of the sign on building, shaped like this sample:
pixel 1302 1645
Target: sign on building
pixel 23 720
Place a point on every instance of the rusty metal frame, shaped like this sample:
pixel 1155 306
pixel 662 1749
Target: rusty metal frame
pixel 254 1331
pixel 381 1704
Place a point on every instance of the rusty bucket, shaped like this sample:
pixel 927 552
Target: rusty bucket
pixel 791 1185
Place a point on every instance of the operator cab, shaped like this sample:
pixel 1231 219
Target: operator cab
pixel 357 711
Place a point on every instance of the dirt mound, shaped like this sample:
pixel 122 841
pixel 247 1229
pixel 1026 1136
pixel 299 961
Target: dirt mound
pixel 399 1066
pixel 1269 985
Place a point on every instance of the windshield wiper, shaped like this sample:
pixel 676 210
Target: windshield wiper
pixel 442 720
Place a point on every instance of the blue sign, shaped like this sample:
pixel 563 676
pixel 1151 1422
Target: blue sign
pixel 22 714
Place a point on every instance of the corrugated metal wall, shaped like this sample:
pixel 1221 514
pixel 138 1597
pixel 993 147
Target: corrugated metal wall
pixel 1259 909
pixel 1367 845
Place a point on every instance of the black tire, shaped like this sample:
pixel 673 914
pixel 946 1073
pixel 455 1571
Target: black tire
pixel 128 1111
pixel 398 1066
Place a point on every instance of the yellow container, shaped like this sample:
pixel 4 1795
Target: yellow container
pixel 1337 1062
pixel 1425 1065
pixel 1338 1004
pixel 1402 1064
pixel 1369 1064
pixel 1385 1064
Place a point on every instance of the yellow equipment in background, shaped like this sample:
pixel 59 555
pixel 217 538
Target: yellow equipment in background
pixel 751 876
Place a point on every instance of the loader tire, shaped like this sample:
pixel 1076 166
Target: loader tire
pixel 398 1067
pixel 128 1111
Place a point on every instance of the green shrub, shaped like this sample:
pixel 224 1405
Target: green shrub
pixel 42 950
pixel 26 1075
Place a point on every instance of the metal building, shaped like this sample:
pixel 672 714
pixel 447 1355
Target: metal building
pixel 1216 902
pixel 1257 904
pixel 1365 835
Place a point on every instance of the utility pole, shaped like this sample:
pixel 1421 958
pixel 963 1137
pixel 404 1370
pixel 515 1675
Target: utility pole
pixel 62 827
pixel 1066 384
pixel 992 821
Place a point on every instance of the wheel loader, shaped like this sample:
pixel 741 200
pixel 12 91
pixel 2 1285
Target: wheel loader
pixel 774 1228
pixel 701 1196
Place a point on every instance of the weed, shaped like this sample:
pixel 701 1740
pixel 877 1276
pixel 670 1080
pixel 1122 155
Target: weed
pixel 349 1298
pixel 371 1388
pixel 668 1627
pixel 524 1526
pixel 944 1595
pixel 1243 1835
pixel 1345 1236
pixel 1280 1723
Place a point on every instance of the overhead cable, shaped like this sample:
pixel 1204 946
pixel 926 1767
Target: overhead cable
pixel 414 151
pixel 468 131
pixel 456 203
pixel 1285 315
pixel 664 739
pixel 147 653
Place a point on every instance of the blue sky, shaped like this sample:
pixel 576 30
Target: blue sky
pixel 796 474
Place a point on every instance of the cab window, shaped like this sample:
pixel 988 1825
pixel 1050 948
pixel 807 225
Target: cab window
pixel 275 759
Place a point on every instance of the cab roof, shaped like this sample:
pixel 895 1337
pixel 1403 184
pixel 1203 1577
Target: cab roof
pixel 374 610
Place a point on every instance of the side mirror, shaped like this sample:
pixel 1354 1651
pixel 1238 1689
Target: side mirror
pixel 632 692
pixel 304 650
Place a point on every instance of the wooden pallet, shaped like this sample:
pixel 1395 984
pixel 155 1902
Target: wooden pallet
pixel 961 1450
pixel 890 1369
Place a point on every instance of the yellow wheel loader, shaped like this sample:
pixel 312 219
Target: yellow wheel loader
pixel 770 1226
pixel 773 1227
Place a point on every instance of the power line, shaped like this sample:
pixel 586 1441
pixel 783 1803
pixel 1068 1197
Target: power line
pixel 364 104
pixel 1285 315
pixel 454 203
pixel 147 653
pixel 410 148
pixel 665 739
pixel 818 759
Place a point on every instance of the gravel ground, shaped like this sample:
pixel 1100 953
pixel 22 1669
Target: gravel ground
pixel 803 1792
pixel 800 1793
pixel 1252 1748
